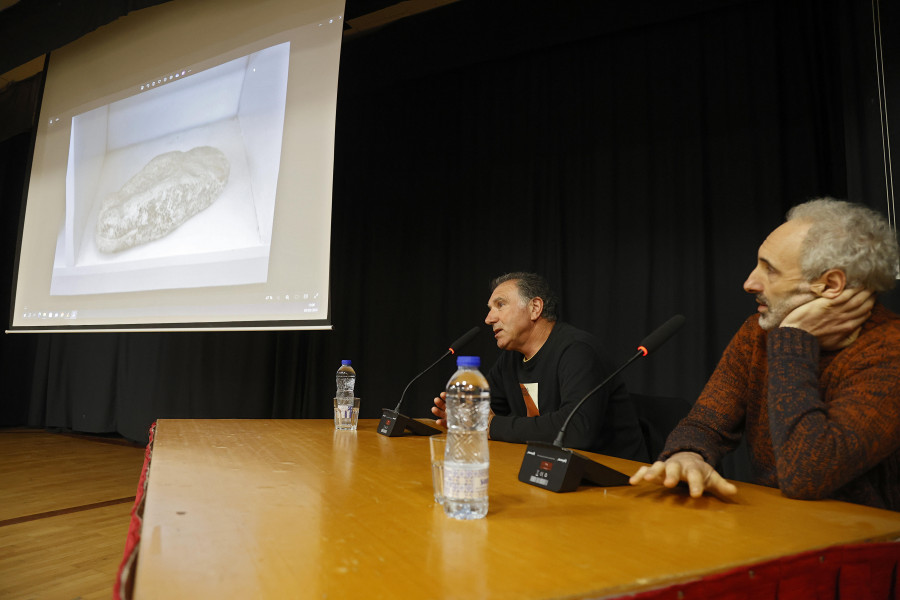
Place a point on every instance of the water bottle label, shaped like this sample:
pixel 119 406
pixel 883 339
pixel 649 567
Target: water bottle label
pixel 465 482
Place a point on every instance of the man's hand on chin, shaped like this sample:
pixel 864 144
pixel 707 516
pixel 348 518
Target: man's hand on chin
pixel 835 321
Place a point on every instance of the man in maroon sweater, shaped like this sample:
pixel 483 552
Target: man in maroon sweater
pixel 812 380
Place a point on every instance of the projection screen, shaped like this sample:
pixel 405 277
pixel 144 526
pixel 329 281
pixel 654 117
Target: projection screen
pixel 182 172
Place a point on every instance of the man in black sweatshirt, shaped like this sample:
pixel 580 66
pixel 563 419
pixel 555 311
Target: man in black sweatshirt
pixel 546 368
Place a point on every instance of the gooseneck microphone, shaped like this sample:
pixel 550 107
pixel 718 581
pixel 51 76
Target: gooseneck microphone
pixel 394 424
pixel 558 469
pixel 649 344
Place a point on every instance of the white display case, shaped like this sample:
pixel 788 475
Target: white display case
pixel 237 107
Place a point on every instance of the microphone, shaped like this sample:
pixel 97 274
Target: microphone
pixel 652 342
pixel 394 424
pixel 558 469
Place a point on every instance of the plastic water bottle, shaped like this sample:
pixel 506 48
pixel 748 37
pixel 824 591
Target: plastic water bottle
pixel 466 458
pixel 345 379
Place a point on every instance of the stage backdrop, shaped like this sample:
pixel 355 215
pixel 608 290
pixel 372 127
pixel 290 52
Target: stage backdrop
pixel 637 157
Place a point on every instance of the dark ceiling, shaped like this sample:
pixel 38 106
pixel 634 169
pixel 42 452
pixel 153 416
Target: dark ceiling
pixel 31 28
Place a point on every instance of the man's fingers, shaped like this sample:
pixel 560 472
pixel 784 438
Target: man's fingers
pixel 674 473
pixel 638 477
pixel 648 473
pixel 857 303
pixel 720 486
pixel 441 416
pixel 706 479
pixel 688 467
pixel 854 297
pixel 696 480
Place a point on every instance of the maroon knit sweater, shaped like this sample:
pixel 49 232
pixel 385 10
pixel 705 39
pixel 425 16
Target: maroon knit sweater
pixel 818 424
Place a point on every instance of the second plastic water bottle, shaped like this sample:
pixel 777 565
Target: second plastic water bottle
pixel 345 380
pixel 466 459
pixel 346 405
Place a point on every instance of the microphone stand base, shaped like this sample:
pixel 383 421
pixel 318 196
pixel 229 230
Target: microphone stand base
pixel 393 424
pixel 562 470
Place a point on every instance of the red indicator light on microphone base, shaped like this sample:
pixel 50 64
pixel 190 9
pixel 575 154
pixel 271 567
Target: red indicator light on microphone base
pixel 642 350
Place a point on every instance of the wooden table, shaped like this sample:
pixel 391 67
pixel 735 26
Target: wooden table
pixel 294 509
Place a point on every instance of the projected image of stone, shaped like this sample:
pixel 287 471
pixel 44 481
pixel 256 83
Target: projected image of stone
pixel 172 188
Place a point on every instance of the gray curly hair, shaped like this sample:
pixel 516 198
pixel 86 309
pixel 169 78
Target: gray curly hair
pixel 850 237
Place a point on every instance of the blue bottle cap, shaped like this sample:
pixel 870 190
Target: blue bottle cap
pixel 468 361
pixel 345 362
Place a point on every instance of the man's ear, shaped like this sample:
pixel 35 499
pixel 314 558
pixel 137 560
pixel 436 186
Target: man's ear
pixel 537 307
pixel 830 284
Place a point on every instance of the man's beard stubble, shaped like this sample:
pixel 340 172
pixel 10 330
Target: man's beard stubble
pixel 780 309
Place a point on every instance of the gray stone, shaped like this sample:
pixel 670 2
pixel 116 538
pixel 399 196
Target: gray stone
pixel 169 190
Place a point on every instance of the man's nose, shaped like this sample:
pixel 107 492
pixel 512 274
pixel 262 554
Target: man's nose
pixel 753 285
pixel 491 317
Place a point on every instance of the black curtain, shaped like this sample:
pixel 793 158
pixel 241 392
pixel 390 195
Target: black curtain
pixel 16 351
pixel 636 157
